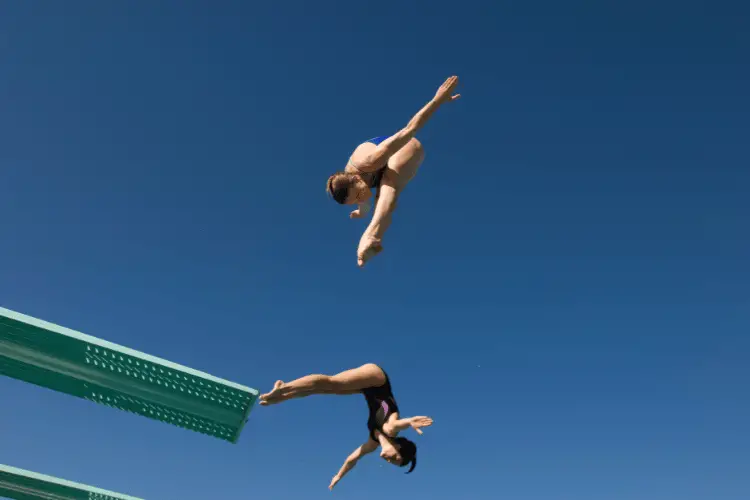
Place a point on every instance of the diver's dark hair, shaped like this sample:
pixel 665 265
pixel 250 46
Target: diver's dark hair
pixel 408 452
pixel 338 186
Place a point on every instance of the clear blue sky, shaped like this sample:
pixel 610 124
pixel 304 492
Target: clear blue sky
pixel 565 288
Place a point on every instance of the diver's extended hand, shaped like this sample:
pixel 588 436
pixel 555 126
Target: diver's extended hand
pixel 361 210
pixel 418 422
pixel 445 92
pixel 335 480
pixel 368 248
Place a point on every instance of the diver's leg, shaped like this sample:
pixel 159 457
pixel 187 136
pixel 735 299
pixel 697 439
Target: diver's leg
pixel 406 161
pixel 346 382
pixel 401 169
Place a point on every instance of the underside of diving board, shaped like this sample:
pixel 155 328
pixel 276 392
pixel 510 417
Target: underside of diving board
pixel 19 484
pixel 80 365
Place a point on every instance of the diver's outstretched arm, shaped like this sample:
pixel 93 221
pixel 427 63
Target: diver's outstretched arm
pixel 352 460
pixel 390 146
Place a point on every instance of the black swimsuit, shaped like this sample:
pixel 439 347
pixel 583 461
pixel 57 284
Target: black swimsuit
pixel 381 404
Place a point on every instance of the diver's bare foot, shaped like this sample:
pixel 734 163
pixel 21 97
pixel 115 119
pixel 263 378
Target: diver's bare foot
pixel 274 396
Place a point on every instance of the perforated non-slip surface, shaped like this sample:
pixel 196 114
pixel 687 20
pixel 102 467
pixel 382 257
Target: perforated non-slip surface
pixel 71 362
pixel 19 484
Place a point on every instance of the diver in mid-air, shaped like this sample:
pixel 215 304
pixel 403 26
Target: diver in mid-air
pixel 387 164
pixel 384 422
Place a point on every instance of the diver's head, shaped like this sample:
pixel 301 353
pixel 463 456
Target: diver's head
pixel 348 189
pixel 403 453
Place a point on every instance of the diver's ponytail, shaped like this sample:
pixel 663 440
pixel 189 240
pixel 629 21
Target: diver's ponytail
pixel 408 451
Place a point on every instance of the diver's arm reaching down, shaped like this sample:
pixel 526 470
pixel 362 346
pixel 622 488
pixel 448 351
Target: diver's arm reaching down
pixel 352 460
pixel 388 147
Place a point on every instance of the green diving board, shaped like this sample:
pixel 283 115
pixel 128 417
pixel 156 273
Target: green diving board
pixel 19 484
pixel 74 363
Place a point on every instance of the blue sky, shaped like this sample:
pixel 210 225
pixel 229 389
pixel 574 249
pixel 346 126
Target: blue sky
pixel 564 288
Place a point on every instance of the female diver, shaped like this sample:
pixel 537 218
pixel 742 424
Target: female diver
pixel 386 163
pixel 384 421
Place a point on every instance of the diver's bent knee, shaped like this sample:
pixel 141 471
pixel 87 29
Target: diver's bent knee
pixel 419 152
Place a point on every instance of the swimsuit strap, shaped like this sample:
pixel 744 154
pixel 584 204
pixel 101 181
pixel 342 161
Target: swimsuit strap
pixel 377 175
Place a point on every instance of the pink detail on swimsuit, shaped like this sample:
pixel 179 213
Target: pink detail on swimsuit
pixel 384 406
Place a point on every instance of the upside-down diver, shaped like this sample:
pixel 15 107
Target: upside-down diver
pixel 384 422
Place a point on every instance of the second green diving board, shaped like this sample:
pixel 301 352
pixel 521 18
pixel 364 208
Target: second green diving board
pixel 74 363
pixel 20 484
